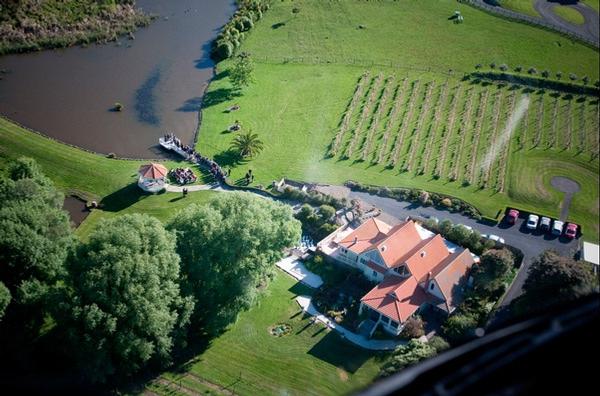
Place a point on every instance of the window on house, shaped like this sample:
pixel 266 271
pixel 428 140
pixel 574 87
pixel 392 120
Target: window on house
pixel 363 260
pixel 432 286
pixel 394 324
pixel 375 274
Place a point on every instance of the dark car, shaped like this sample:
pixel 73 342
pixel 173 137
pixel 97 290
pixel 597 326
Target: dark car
pixel 545 224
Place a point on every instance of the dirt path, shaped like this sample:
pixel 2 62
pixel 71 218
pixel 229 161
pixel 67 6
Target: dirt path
pixel 569 187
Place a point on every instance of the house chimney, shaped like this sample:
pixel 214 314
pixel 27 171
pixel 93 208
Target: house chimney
pixel 355 240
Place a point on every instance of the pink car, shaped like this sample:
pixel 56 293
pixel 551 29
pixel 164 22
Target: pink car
pixel 512 216
pixel 571 230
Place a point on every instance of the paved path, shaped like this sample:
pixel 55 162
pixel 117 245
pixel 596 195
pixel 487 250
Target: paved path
pixel 296 269
pixel 589 28
pixel 375 345
pixel 569 187
pixel 530 243
pixel 195 187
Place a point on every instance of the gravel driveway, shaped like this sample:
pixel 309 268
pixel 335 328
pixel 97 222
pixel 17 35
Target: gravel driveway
pixel 588 29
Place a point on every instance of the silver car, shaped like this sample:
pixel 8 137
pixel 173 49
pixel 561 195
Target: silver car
pixel 557 227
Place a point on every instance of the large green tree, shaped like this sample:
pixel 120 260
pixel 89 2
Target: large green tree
pixel 407 355
pixel 488 275
pixel 554 279
pixel 35 234
pixel 121 305
pixel 241 74
pixel 228 250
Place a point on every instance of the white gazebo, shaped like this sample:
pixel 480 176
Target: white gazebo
pixel 152 177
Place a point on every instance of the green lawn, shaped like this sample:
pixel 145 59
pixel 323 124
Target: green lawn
pixel 569 14
pixel 522 6
pixel 132 200
pixel 413 33
pixel 595 4
pixel 311 360
pixel 530 186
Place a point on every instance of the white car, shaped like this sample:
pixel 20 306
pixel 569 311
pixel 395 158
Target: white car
pixel 494 238
pixel 532 221
pixel 467 227
pixel 557 227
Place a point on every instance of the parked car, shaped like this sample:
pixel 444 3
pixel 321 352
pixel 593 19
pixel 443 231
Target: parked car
pixel 467 227
pixel 494 238
pixel 557 227
pixel 512 216
pixel 545 224
pixel 571 230
pixel 532 221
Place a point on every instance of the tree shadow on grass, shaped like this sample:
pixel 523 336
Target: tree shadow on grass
pixel 229 158
pixel 123 198
pixel 218 96
pixel 339 353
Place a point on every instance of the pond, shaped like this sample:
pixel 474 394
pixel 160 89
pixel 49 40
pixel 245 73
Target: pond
pixel 77 210
pixel 159 77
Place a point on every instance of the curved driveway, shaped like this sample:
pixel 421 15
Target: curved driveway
pixel 590 27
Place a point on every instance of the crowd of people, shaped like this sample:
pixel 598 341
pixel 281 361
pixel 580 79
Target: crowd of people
pixel 196 158
pixel 183 175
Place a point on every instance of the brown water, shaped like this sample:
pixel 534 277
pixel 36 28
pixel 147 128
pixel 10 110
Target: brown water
pixel 159 77
pixel 77 210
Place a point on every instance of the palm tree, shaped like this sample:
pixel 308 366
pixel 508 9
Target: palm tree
pixel 247 144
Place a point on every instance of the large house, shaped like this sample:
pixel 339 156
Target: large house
pixel 412 266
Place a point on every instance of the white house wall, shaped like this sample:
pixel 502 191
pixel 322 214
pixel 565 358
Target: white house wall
pixel 436 290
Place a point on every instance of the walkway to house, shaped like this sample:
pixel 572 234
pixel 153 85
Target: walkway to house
pixel 296 269
pixel 195 187
pixel 376 345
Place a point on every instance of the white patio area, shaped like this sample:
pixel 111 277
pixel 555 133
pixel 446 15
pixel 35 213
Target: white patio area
pixel 293 266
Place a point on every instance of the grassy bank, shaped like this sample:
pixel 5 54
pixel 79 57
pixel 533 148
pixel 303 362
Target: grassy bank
pixel 73 170
pixel 248 360
pixel 522 6
pixel 33 25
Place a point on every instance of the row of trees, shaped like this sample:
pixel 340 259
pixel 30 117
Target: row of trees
pixel 136 290
pixel 544 73
pixel 233 33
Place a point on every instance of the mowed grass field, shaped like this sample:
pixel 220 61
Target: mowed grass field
pixel 420 127
pixel 248 360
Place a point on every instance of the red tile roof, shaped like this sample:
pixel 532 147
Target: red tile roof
pixel 396 298
pixel 153 171
pixel 451 276
pixel 367 234
pixel 426 256
pixel 400 240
